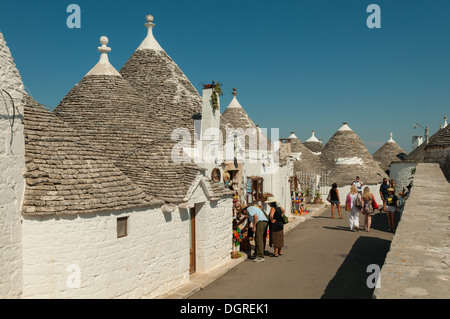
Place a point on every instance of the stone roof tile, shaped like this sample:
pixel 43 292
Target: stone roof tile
pixel 66 175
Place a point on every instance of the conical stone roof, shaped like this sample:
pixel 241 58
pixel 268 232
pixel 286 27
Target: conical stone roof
pixel 388 153
pixel 171 98
pixel 66 174
pixel 307 161
pixel 346 157
pixel 314 144
pixel 108 111
pixel 236 118
pixel 418 154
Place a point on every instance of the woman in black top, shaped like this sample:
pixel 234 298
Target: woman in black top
pixel 276 227
pixel 334 200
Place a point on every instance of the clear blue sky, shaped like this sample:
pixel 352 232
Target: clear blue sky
pixel 298 65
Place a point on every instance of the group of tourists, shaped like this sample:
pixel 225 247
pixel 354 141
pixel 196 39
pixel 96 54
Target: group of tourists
pixel 361 200
pixel 260 222
pixel 358 200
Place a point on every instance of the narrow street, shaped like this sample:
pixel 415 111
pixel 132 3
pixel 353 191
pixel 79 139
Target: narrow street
pixel 321 259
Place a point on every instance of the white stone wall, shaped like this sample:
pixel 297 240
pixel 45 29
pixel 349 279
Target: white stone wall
pixel 12 167
pixel 214 231
pixel 213 223
pixel 401 173
pixel 151 260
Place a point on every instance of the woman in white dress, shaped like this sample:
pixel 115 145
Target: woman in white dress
pixel 352 205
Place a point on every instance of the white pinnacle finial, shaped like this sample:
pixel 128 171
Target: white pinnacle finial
pixel 390 138
pixel 445 121
pixel 104 41
pixel 234 102
pixel 313 138
pixel 150 42
pixel 292 136
pixel 103 66
pixel 344 127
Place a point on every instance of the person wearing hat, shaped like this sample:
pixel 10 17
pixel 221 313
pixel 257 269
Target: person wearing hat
pixel 260 222
pixel 276 226
pixel 391 207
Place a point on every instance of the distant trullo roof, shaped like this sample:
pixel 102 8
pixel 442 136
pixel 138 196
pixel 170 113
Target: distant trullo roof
pixel 440 139
pixel 417 155
pixel 172 99
pixel 307 161
pixel 234 118
pixel 110 113
pixel 388 153
pixel 314 144
pixel 346 157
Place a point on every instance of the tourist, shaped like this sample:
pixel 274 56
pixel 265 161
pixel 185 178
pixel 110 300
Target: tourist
pixel 259 221
pixel 400 203
pixel 407 193
pixel 358 184
pixel 391 208
pixel 369 207
pixel 276 226
pixel 353 205
pixel 392 184
pixel 383 192
pixel 334 200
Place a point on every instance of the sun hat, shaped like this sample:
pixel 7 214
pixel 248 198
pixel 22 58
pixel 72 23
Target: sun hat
pixel 243 206
pixel 391 190
pixel 270 200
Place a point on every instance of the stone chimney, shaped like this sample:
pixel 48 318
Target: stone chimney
pixel 210 122
pixel 417 140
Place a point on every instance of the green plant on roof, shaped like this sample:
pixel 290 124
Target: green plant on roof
pixel 217 91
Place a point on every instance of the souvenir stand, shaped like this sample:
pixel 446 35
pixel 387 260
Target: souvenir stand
pixel 297 198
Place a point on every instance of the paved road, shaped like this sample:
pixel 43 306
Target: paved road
pixel 321 259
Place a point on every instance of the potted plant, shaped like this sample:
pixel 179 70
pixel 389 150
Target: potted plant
pixel 317 198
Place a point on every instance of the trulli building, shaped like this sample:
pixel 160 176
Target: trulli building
pixel 388 153
pixel 345 156
pixel 96 206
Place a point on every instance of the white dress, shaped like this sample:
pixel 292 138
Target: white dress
pixel 353 217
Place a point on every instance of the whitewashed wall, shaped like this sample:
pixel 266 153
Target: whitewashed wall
pixel 12 167
pixel 213 223
pixel 151 260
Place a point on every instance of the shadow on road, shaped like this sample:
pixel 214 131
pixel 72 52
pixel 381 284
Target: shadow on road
pixel 350 281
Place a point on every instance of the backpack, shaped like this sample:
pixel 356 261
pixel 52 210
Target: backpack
pixel 358 202
pixel 368 208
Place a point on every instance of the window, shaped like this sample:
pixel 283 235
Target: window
pixel 254 189
pixel 122 227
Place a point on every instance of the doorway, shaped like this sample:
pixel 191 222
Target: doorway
pixel 192 254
